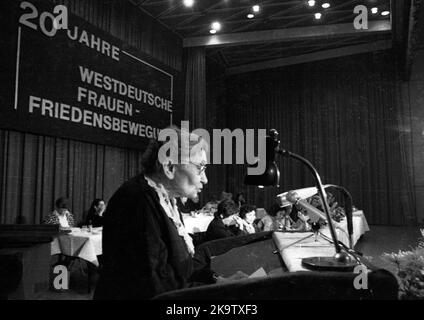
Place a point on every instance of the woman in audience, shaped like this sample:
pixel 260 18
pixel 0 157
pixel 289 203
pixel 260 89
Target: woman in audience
pixel 225 222
pixel 240 200
pixel 273 220
pixel 211 206
pixel 95 213
pixel 61 215
pixel 248 215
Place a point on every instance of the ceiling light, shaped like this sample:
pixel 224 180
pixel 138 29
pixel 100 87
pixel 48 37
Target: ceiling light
pixel 216 25
pixel 326 5
pixel 385 13
pixel 374 10
pixel 256 8
pixel 250 16
pixel 213 31
pixel 311 3
pixel 188 3
pixel 318 15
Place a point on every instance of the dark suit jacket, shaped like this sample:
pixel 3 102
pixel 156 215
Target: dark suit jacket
pixel 142 251
pixel 217 230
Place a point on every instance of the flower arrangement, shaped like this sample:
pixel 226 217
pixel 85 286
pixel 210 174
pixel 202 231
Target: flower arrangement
pixel 410 270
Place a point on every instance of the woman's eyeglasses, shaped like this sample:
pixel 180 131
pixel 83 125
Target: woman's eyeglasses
pixel 201 167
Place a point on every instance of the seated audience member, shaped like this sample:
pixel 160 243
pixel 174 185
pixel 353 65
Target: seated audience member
pixel 61 215
pixel 95 213
pixel 248 215
pixel 226 196
pixel 337 212
pixel 273 220
pixel 210 207
pixel 224 223
pixel 240 200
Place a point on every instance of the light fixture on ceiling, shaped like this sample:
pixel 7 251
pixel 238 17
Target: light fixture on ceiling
pixel 374 10
pixel 311 3
pixel 213 31
pixel 188 3
pixel 256 8
pixel 318 16
pixel 326 5
pixel 250 16
pixel 385 13
pixel 216 26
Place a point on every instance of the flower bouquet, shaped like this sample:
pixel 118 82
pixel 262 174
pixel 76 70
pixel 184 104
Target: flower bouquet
pixel 410 270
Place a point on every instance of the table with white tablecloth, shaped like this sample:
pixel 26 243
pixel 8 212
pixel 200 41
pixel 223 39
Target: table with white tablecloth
pixel 197 223
pixel 360 226
pixel 79 243
pixel 292 250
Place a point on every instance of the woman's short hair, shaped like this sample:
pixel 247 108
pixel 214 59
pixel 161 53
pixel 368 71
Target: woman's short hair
pixel 226 208
pixel 275 208
pixel 236 198
pixel 95 203
pixel 245 209
pixel 61 203
pixel 150 160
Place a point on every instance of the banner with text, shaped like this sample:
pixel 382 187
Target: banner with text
pixel 65 77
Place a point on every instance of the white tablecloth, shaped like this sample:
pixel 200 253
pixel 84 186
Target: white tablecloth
pixel 293 254
pixel 81 244
pixel 198 223
pixel 360 226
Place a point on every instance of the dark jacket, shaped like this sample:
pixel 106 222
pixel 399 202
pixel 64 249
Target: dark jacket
pixel 94 219
pixel 217 230
pixel 142 251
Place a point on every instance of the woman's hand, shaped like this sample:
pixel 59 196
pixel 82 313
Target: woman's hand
pixel 239 222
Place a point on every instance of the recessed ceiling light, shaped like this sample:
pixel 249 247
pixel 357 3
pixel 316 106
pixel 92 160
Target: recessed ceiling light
pixel 188 3
pixel 326 5
pixel 318 15
pixel 250 16
pixel 216 25
pixel 385 13
pixel 311 3
pixel 374 10
pixel 213 31
pixel 256 8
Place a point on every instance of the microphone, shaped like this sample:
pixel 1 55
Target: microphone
pixel 314 213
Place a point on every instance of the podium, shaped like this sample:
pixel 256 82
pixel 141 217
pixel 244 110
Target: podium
pixel 25 260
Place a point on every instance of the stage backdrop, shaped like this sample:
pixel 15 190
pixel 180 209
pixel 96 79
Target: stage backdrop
pixel 79 82
pixel 36 169
pixel 347 117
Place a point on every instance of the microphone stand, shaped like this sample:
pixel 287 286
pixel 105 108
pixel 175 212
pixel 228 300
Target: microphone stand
pixel 348 211
pixel 341 261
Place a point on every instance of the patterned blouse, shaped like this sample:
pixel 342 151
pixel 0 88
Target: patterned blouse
pixel 53 218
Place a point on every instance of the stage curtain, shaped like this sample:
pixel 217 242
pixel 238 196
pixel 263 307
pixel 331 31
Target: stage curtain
pixel 36 170
pixel 195 88
pixel 346 116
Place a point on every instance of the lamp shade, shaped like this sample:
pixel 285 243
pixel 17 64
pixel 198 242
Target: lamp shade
pixel 271 176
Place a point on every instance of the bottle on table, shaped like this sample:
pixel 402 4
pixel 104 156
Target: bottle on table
pixel 90 226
